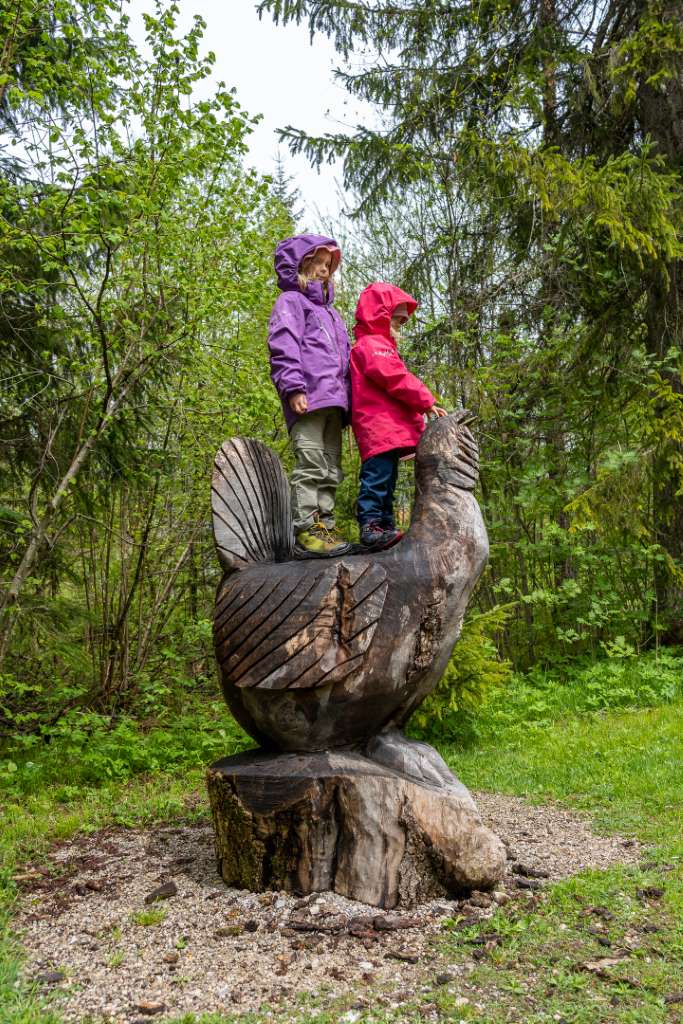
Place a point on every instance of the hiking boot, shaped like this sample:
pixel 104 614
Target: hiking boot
pixel 317 541
pixel 374 538
pixel 392 535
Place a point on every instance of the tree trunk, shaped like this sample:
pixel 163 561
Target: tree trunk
pixel 661 116
pixel 338 820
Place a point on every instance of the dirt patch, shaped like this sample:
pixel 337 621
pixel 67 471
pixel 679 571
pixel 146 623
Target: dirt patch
pixel 95 936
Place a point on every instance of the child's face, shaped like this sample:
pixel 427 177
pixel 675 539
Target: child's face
pixel 397 323
pixel 318 267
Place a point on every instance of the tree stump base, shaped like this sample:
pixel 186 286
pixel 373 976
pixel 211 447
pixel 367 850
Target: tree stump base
pixel 343 821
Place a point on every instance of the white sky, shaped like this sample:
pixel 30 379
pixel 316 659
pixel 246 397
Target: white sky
pixel 279 74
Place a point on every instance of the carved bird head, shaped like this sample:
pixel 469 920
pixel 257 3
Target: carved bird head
pixel 448 451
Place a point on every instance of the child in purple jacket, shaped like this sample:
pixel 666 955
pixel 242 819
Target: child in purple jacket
pixel 309 363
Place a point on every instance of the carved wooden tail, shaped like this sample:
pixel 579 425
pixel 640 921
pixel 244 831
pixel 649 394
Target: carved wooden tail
pixel 252 516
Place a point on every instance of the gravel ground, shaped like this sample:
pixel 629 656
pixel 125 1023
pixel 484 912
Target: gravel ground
pixel 108 955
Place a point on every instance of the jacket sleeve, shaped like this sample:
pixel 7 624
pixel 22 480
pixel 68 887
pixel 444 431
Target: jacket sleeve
pixel 382 364
pixel 285 331
pixel 346 355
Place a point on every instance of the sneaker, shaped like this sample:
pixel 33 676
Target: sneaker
pixel 374 538
pixel 319 542
pixel 393 536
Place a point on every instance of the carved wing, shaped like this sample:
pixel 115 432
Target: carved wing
pixel 294 629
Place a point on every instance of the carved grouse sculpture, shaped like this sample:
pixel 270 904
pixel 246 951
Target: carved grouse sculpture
pixel 329 653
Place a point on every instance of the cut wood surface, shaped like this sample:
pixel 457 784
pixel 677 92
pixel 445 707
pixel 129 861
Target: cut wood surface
pixel 339 821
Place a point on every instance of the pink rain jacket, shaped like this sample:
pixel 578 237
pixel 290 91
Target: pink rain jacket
pixel 387 401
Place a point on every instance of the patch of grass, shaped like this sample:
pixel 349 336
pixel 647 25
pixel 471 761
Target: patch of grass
pixel 85 750
pixel 148 918
pixel 550 963
pixel 621 682
pixel 625 769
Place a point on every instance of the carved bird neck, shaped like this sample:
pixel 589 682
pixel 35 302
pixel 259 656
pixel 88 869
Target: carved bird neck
pixel 446 519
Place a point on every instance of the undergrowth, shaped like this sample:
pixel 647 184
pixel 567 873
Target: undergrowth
pixel 86 749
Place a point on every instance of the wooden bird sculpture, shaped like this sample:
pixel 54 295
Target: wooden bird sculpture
pixel 333 653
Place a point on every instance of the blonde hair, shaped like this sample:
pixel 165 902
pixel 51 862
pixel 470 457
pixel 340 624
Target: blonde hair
pixel 304 278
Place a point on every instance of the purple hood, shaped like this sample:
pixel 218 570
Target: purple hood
pixel 291 251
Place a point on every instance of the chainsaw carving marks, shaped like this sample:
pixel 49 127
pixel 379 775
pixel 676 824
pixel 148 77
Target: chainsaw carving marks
pixel 284 627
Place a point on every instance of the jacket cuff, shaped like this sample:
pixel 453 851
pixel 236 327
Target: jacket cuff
pixel 429 403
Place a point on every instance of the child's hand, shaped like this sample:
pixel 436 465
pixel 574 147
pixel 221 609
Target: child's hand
pixel 298 403
pixel 436 411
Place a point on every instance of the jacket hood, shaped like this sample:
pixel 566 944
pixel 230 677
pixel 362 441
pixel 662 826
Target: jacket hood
pixel 291 251
pixel 375 307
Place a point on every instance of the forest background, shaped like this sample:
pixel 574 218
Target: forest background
pixel 523 181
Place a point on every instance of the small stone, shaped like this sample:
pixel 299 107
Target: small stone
pixel 649 892
pixel 50 977
pixel 171 958
pixel 251 926
pixel 94 884
pixel 444 978
pixel 602 912
pixel 529 872
pixel 227 930
pixel 500 897
pixel 406 956
pixel 479 899
pixel 442 910
pixel 674 997
pixel 150 1008
pixel 389 924
pixel 162 892
pixel 527 883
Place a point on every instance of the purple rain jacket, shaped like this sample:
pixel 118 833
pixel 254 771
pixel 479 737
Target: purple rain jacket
pixel 309 346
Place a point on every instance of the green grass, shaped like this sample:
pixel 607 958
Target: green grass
pixel 148 918
pixel 624 768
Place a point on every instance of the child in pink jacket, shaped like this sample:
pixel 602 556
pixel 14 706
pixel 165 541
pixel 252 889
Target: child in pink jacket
pixel 388 405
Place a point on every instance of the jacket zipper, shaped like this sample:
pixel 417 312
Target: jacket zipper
pixel 327 335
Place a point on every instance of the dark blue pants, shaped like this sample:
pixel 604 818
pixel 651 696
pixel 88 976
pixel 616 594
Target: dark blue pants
pixel 377 485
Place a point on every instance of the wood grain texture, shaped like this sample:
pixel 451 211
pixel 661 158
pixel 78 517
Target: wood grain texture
pixel 323 661
pixel 323 653
pixel 340 821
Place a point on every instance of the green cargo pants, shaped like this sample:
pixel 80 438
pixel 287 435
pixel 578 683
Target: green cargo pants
pixel 316 439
